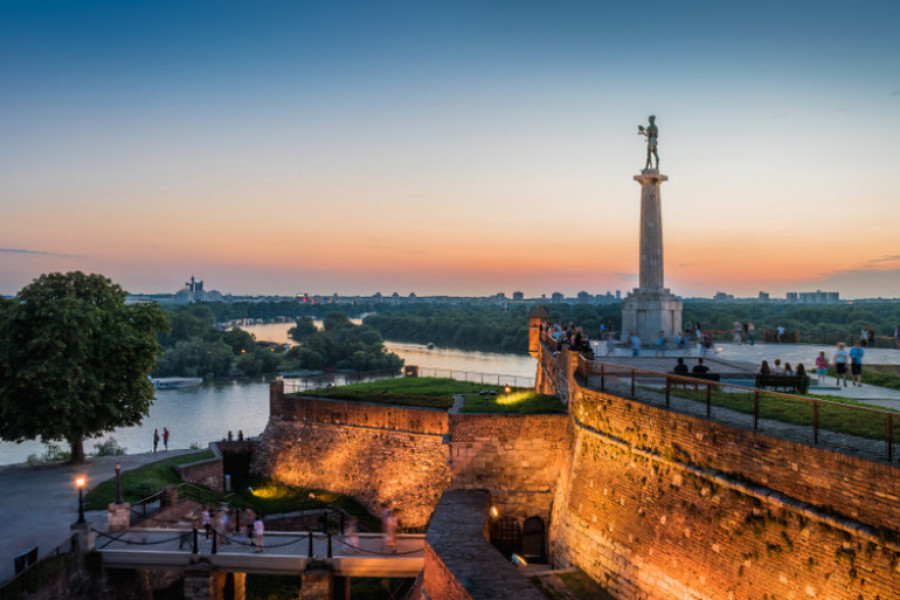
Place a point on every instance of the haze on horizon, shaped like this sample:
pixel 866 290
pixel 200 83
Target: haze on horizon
pixel 461 148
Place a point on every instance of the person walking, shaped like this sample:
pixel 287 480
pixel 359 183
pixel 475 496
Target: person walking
pixel 155 440
pixel 351 537
pixel 165 439
pixel 206 520
pixel 856 357
pixel 840 364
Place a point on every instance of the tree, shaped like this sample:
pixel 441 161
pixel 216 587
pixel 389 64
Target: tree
pixel 74 360
pixel 303 329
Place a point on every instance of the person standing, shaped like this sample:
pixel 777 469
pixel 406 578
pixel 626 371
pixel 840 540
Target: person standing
pixel 351 538
pixel 840 364
pixel 751 333
pixel 821 367
pixel 661 342
pixel 738 330
pixel 206 520
pixel 780 333
pixel 259 531
pixel 155 440
pixel 856 357
pixel 166 439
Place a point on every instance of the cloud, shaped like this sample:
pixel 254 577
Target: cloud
pixel 885 258
pixel 38 253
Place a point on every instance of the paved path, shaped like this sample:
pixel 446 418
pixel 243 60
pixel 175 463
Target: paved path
pixel 38 504
pixel 745 356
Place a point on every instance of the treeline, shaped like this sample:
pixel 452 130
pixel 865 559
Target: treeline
pixel 482 328
pixel 226 311
pixel 505 329
pixel 193 347
pixel 818 324
pixel 340 345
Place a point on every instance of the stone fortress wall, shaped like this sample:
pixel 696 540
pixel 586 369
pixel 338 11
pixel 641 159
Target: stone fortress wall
pixel 655 504
pixel 651 503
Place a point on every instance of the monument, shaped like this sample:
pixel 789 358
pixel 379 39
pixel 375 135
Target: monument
pixel 651 308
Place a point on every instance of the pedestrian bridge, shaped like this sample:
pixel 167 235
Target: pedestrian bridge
pixel 284 553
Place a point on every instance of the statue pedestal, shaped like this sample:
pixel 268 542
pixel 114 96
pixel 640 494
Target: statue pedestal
pixel 645 313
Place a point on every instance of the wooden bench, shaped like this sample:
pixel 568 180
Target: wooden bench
pixel 795 383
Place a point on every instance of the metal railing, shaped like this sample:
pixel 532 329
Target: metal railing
pixel 477 377
pixel 669 382
pixel 314 382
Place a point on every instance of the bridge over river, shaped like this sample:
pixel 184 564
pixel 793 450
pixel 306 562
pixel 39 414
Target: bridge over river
pixel 285 553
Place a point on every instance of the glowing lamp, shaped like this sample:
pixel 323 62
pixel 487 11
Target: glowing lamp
pixel 494 512
pixel 80 482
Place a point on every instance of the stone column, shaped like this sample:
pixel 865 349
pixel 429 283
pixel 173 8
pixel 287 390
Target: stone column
pixel 651 276
pixel 119 517
pixel 317 585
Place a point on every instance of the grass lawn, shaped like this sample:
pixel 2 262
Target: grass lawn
pixel 143 481
pixel 517 401
pixel 271 497
pixel 840 419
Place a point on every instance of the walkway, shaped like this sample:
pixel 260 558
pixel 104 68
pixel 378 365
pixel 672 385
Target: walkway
pixel 286 553
pixel 39 503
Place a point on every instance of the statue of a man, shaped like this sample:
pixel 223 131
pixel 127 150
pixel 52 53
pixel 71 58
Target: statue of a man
pixel 651 132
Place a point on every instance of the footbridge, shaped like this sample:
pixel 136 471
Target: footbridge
pixel 282 553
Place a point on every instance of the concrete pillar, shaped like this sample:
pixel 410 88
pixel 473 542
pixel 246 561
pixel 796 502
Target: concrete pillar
pixel 318 585
pixel 651 275
pixel 201 583
pixel 119 517
pixel 169 496
pixel 84 536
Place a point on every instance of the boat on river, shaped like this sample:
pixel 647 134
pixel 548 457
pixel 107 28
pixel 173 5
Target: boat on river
pixel 174 383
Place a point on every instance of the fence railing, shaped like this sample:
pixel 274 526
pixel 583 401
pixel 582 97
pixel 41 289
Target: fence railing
pixel 477 377
pixel 316 382
pixel 822 415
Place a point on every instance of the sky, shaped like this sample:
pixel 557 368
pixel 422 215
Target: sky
pixel 458 147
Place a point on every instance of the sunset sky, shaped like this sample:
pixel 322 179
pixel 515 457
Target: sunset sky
pixel 458 147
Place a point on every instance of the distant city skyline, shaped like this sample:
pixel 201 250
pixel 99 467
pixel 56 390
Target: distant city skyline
pixel 461 148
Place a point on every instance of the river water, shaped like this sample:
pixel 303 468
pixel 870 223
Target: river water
pixel 201 414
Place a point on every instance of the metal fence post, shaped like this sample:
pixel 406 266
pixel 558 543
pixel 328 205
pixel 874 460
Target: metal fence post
pixel 708 400
pixel 310 549
pixel 632 383
pixel 668 385
pixel 815 422
pixel 196 548
pixel 890 437
pixel 329 546
pixel 755 410
pixel 602 377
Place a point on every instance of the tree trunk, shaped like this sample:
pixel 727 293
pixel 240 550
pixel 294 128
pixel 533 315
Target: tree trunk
pixel 77 451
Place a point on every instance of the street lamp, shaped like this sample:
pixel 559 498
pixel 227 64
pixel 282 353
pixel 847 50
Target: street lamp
pixel 79 483
pixel 118 483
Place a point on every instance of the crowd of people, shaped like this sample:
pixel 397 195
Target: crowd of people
pixel 247 526
pixel 843 360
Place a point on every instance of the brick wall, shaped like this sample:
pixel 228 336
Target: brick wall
pixel 516 458
pixel 655 504
pixel 337 446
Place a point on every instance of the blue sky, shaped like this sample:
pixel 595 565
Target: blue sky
pixel 461 148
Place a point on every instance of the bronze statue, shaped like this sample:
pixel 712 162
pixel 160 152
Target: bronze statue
pixel 651 132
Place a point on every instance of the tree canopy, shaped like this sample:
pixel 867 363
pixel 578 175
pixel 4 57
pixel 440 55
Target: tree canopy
pixel 342 345
pixel 75 359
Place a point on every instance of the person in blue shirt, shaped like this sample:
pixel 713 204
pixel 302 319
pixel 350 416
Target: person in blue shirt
pixel 856 356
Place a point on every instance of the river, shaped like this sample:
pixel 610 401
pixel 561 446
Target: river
pixel 205 413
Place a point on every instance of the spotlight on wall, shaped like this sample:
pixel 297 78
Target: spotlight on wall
pixel 494 512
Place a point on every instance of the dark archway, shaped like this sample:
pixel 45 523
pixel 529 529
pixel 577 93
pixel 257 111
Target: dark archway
pixel 534 536
pixel 506 535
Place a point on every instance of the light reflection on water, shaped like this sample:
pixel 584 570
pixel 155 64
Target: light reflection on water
pixel 206 413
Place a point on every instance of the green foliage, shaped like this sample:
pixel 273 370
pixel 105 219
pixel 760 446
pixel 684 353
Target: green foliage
pixel 74 359
pixel 141 482
pixel 196 357
pixel 109 448
pixel 52 453
pixel 303 329
pixel 239 340
pixel 343 345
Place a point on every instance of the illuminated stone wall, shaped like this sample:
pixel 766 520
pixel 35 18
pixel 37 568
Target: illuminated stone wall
pixel 655 504
pixel 369 452
pixel 517 458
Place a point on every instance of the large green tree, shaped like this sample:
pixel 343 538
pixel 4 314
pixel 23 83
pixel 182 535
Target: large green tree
pixel 74 360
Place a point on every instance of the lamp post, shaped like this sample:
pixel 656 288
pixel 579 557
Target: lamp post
pixel 118 483
pixel 79 483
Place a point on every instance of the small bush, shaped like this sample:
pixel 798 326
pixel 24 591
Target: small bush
pixel 109 448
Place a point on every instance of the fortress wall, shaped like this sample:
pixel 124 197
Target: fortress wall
pixel 517 458
pixel 656 504
pixel 355 414
pixel 340 447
